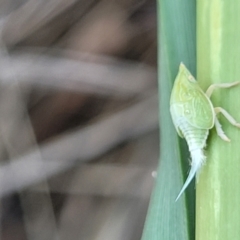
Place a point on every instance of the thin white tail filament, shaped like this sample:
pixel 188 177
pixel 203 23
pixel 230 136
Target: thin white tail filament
pixel 198 159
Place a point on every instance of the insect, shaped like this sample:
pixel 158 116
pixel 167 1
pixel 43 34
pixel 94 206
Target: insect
pixel 193 116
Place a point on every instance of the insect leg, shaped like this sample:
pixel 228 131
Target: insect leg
pixel 219 130
pixel 220 85
pixel 227 116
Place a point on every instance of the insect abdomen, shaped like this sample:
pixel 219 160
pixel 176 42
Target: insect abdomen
pixel 195 137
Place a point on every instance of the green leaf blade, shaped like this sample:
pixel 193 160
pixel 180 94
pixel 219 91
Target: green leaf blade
pixel 167 219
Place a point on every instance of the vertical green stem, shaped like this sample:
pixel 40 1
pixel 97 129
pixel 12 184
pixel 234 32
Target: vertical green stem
pixel 218 60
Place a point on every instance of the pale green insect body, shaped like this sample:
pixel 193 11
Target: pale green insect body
pixel 193 116
pixel 192 112
pixel 195 137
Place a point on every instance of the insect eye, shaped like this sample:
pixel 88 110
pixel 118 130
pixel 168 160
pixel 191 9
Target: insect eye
pixel 191 79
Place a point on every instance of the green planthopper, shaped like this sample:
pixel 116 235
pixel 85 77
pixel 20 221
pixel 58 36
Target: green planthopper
pixel 193 116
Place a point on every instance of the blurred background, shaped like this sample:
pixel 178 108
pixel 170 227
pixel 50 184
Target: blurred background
pixel 78 118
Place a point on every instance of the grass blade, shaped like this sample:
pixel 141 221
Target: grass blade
pixel 166 219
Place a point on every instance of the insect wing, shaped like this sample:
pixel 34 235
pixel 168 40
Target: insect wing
pixel 188 101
